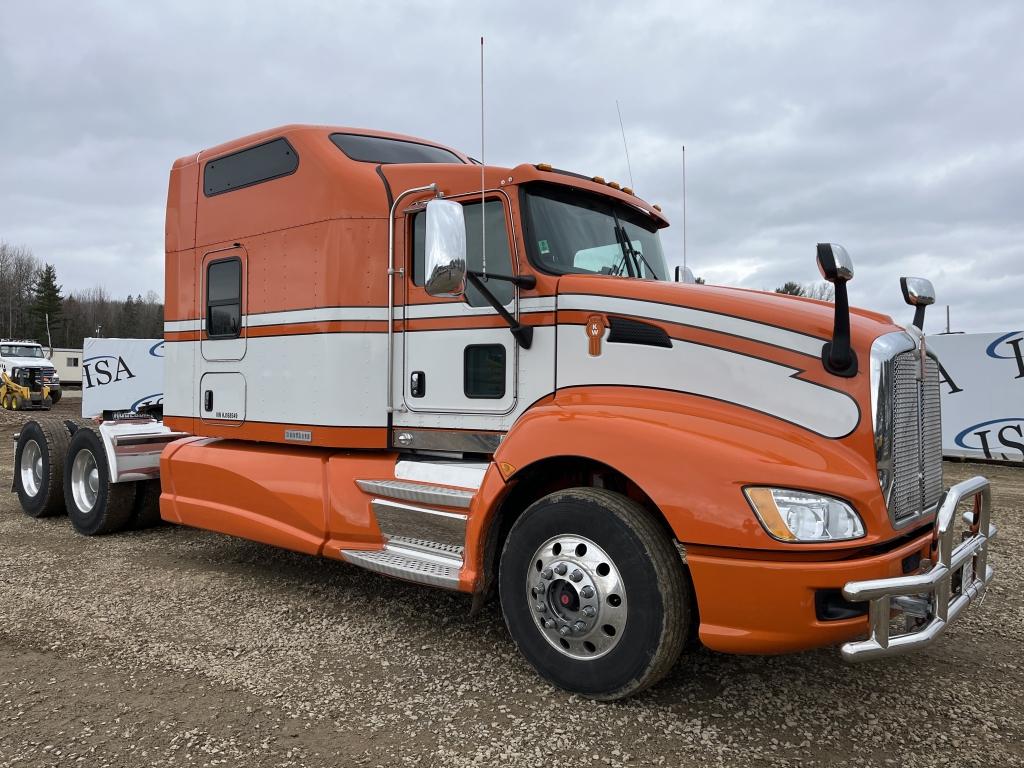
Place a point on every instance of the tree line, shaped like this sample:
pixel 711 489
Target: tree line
pixel 33 306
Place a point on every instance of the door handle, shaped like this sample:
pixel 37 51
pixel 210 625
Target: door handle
pixel 208 400
pixel 418 384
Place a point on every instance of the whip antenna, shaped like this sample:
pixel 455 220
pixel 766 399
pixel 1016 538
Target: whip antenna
pixel 624 144
pixel 483 165
pixel 684 208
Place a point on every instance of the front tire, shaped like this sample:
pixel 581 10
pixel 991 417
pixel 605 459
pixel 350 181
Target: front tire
pixel 39 467
pixel 594 593
pixel 55 396
pixel 95 505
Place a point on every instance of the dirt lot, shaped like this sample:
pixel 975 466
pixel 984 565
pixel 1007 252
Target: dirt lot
pixel 178 647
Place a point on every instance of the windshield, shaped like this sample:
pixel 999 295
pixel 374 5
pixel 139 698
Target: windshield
pixel 576 232
pixel 20 350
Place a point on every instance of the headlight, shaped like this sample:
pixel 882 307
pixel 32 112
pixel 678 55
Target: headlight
pixel 800 516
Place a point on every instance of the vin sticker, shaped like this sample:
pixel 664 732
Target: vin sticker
pixel 301 435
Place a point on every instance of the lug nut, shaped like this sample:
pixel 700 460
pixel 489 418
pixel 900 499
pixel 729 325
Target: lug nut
pixel 541 607
pixel 576 575
pixel 549 624
pixel 589 612
pixel 587 592
pixel 561 568
pixel 579 626
pixel 565 629
pixel 546 574
pixel 541 586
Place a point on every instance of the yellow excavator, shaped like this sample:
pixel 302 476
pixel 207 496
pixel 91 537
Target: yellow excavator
pixel 19 394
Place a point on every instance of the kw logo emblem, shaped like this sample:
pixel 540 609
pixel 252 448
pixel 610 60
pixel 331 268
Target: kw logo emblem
pixel 595 332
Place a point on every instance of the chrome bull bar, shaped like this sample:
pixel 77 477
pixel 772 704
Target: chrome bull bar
pixel 931 601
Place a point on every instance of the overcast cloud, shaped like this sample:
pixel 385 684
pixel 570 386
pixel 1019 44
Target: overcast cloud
pixel 893 128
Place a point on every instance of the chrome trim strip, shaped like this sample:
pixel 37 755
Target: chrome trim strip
pixel 928 598
pixel 397 520
pixel 454 441
pixel 426 494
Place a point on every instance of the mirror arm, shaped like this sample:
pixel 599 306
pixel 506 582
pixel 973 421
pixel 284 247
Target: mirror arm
pixel 523 333
pixel 919 316
pixel 837 355
pixel 523 281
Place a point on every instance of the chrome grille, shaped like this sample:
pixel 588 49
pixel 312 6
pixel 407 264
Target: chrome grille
pixel 916 434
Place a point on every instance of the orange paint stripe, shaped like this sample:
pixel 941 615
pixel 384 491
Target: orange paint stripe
pixel 271 432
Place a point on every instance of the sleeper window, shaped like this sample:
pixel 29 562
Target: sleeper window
pixel 224 299
pixel 499 261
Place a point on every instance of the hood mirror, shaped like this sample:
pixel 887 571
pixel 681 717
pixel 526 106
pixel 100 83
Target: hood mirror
pixel 836 266
pixel 445 249
pixel 918 292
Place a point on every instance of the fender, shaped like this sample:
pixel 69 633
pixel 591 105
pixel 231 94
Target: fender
pixel 692 456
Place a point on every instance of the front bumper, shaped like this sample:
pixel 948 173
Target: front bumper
pixel 930 601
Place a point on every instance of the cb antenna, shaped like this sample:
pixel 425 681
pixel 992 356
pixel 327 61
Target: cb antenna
pixel 684 208
pixel 483 166
pixel 625 145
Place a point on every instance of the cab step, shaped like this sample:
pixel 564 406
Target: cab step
pixel 417 560
pixel 425 493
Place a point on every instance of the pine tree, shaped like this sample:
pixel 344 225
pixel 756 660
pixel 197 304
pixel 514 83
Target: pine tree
pixel 47 303
pixel 128 327
pixel 793 289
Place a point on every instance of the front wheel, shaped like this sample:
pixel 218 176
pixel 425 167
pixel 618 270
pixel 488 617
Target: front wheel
pixel 55 396
pixel 594 593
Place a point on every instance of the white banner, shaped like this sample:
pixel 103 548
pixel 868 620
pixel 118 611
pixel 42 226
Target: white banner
pixel 982 394
pixel 121 374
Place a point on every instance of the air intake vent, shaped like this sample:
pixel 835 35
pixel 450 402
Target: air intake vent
pixel 623 331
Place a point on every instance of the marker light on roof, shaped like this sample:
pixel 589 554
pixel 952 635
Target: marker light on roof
pixel 598 179
pixel 628 190
pixel 543 167
pixel 614 185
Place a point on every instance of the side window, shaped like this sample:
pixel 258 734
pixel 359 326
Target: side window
pixel 499 260
pixel 224 299
pixel 72 362
pixel 250 166
pixel 484 367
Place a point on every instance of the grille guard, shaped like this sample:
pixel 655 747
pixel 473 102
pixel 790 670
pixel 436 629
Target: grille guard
pixel 928 599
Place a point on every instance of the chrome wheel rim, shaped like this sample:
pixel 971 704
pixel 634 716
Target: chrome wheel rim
pixel 577 597
pixel 31 468
pixel 85 480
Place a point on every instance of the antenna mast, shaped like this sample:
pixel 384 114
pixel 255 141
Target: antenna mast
pixel 684 208
pixel 483 165
pixel 625 146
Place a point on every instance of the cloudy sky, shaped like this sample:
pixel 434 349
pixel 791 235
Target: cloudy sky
pixel 894 129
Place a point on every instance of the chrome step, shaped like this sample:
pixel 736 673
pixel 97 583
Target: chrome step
pixel 424 493
pixel 418 560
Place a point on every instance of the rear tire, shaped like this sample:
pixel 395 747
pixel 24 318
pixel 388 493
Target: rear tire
pixel 609 579
pixel 39 467
pixel 146 509
pixel 95 505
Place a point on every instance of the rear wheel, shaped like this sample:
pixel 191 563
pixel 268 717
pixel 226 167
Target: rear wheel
pixel 594 593
pixel 39 467
pixel 95 505
pixel 55 396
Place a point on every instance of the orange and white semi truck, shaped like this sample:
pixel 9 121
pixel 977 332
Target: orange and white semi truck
pixel 480 378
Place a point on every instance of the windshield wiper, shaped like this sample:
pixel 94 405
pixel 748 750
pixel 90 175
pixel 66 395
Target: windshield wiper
pixel 628 250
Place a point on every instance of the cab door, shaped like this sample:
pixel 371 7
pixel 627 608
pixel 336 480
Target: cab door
pixel 460 361
pixel 222 395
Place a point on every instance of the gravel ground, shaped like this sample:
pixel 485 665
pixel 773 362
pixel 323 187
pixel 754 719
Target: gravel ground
pixel 176 647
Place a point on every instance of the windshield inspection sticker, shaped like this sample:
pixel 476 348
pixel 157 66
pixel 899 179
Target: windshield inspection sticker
pixel 543 245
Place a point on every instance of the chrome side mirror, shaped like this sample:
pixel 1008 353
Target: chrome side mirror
pixel 445 249
pixel 918 293
pixel 836 266
pixel 834 263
